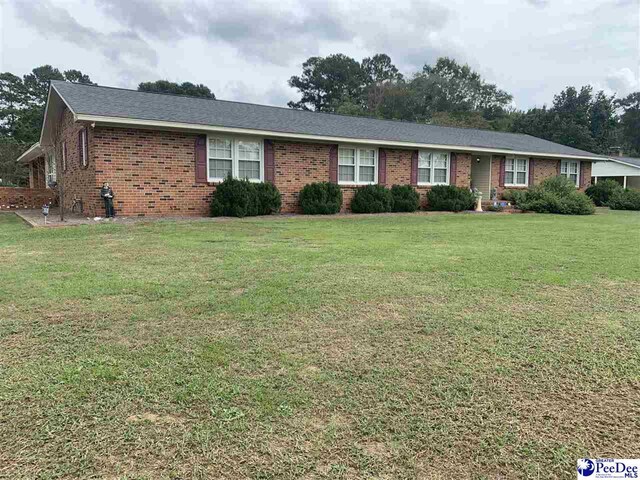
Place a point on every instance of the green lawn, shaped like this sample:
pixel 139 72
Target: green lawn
pixel 408 346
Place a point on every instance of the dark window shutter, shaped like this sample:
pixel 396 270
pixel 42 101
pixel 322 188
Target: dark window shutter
pixel 502 167
pixel 86 146
pixel 452 169
pixel 531 167
pixel 65 156
pixel 269 162
pixel 559 167
pixel 333 163
pixel 382 166
pixel 201 159
pixel 414 167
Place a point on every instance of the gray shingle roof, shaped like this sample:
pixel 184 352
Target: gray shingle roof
pixel 115 102
pixel 631 160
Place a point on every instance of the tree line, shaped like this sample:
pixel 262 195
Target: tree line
pixel 445 93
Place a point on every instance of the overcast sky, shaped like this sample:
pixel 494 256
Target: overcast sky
pixel 246 50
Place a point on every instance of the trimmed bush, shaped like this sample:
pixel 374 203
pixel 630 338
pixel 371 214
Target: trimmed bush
pixel 625 200
pixel 559 185
pixel 241 198
pixel 267 198
pixel 513 196
pixel 322 198
pixel 372 199
pixel 557 195
pixel 450 198
pixel 405 198
pixel 602 191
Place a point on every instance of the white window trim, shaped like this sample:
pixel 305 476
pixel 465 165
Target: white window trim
pixel 51 172
pixel 567 174
pixel 356 165
pixel 235 162
pixel 526 172
pixel 432 168
pixel 84 160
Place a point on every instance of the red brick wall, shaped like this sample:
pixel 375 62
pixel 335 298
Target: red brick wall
pixel 296 165
pixel 77 180
pixel 585 175
pixel 151 172
pixel 16 197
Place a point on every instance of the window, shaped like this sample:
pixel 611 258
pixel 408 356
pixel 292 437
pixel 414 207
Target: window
pixel 433 168
pixel 84 155
pixel 51 169
pixel 240 158
pixel 570 169
pixel 64 156
pixel 357 165
pixel 516 172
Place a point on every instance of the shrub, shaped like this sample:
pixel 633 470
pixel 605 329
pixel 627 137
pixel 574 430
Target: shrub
pixel 450 198
pixel 557 195
pixel 625 200
pixel 241 198
pixel 321 198
pixel 559 185
pixel 513 196
pixel 602 191
pixel 405 198
pixel 372 199
pixel 267 198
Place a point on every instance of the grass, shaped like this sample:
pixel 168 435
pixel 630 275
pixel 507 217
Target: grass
pixel 409 346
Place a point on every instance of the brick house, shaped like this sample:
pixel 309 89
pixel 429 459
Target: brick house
pixel 165 154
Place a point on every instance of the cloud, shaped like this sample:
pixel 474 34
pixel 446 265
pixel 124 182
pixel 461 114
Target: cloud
pixel 283 33
pixel 623 82
pixel 538 3
pixel 278 94
pixel 125 48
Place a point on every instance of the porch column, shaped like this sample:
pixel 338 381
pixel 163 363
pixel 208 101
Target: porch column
pixel 595 180
pixel 624 181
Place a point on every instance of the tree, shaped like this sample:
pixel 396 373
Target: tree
pixel 22 102
pixel 12 173
pixel 630 121
pixel 185 88
pixel 578 118
pixel 327 83
pixel 457 88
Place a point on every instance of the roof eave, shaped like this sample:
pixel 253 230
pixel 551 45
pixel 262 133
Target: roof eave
pixel 143 123
pixel 31 154
pixel 52 102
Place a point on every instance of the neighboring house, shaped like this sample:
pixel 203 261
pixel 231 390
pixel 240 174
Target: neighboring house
pixel 625 170
pixel 165 154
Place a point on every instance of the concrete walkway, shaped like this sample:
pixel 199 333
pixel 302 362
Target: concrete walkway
pixel 36 219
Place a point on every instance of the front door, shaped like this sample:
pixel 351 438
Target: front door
pixel 481 174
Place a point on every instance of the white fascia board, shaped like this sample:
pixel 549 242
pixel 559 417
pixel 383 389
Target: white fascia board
pixel 134 122
pixel 32 153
